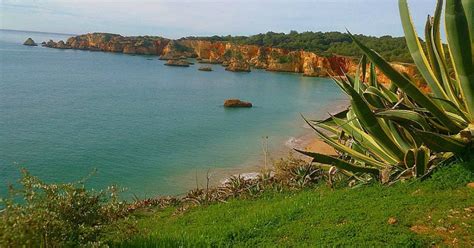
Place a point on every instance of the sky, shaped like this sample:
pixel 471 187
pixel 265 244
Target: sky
pixel 180 18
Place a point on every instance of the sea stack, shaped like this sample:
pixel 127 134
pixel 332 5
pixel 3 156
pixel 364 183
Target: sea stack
pixel 30 42
pixel 205 68
pixel 179 63
pixel 236 103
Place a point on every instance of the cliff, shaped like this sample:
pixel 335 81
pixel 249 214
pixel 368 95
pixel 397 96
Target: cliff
pixel 234 57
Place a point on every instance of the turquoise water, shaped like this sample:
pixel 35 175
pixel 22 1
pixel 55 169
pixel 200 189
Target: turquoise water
pixel 139 123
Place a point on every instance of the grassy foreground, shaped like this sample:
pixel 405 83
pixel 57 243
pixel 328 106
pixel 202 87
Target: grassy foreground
pixel 437 211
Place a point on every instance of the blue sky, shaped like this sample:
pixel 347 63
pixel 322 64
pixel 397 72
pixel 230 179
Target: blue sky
pixel 180 18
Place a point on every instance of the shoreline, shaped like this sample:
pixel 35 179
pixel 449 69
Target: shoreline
pixel 306 140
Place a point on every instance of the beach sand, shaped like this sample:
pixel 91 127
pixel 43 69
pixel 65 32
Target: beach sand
pixel 317 145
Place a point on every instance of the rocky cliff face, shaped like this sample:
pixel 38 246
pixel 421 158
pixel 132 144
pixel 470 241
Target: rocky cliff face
pixel 113 43
pixel 234 57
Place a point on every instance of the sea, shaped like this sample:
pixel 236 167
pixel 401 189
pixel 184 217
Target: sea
pixel 131 121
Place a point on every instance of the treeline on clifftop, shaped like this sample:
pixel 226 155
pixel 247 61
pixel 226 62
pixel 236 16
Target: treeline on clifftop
pixel 323 43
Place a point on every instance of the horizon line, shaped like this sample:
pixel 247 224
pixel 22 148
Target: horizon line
pixel 58 33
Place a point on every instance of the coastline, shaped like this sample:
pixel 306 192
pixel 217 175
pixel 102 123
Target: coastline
pixel 306 140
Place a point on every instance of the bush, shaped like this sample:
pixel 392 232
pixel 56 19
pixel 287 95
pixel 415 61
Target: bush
pixel 51 215
pixel 284 59
pixel 296 173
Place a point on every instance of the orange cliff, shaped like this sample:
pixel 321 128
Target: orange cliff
pixel 235 57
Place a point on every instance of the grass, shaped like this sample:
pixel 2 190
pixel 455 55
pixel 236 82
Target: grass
pixel 437 211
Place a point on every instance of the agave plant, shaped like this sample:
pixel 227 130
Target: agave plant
pixel 396 130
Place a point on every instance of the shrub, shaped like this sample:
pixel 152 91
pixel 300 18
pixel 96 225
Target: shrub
pixel 296 173
pixel 52 215
pixel 285 59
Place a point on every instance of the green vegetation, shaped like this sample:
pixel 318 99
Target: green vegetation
pixel 294 207
pixel 57 215
pixel 284 59
pixel 181 48
pixel 326 44
pixel 53 215
pixel 396 135
pixel 436 211
pixel 391 133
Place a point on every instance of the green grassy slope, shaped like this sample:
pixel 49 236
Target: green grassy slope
pixel 439 210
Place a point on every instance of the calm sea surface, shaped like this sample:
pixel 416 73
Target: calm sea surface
pixel 64 113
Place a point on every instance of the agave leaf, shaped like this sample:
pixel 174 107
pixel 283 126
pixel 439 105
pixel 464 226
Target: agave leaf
pixel 437 126
pixel 342 148
pixel 373 96
pixel 391 97
pixel 352 117
pixel 357 81
pixel 417 52
pixel 393 88
pixel 407 86
pixel 438 51
pixel 400 137
pixel 456 118
pixel 370 123
pixel 350 79
pixel 365 140
pixel 330 128
pixel 441 143
pixel 382 93
pixel 457 34
pixel 468 6
pixel 451 107
pixel 421 161
pixel 405 116
pixel 373 75
pixel 430 50
pixel 410 158
pixel 364 67
pixel 339 163
pixel 340 114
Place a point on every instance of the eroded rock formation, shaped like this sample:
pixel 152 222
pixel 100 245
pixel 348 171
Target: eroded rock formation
pixel 236 103
pixel 30 42
pixel 235 57
pixel 177 62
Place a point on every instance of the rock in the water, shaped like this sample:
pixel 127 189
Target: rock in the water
pixel 50 43
pixel 175 62
pixel 30 42
pixel 61 45
pixel 236 103
pixel 205 68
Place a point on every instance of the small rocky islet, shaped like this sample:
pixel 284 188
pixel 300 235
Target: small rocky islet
pixel 30 42
pixel 205 68
pixel 178 63
pixel 237 103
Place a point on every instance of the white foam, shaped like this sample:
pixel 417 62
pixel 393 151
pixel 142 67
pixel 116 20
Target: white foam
pixel 292 142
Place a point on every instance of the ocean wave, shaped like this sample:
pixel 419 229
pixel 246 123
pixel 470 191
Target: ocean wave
pixel 292 142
